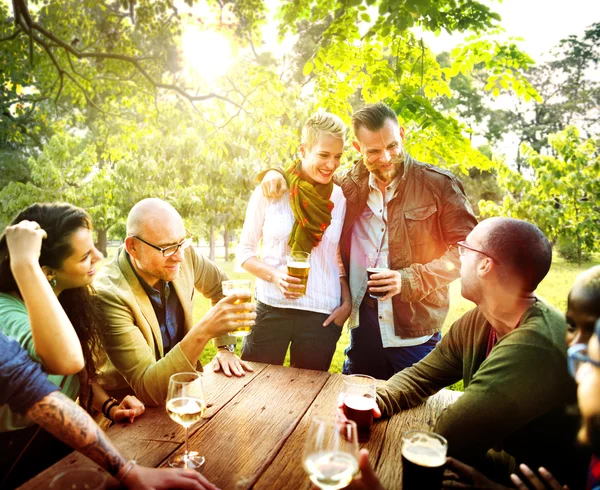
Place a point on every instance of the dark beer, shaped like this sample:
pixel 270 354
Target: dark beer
pixel 370 272
pixel 422 467
pixel 359 409
pixel 299 270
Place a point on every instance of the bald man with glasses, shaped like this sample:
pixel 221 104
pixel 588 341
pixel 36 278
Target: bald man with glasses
pixel 147 294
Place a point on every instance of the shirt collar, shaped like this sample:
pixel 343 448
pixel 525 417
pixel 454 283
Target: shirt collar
pixel 149 289
pixel 390 188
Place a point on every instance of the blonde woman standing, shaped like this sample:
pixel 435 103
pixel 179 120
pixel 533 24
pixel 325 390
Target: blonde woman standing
pixel 307 218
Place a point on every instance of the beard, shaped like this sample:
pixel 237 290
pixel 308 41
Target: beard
pixel 387 175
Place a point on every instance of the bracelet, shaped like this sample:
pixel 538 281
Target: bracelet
pixel 130 464
pixel 106 402
pixel 107 407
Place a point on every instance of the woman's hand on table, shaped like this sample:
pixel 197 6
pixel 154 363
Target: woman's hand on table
pixel 129 408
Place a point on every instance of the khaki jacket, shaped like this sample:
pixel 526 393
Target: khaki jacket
pixel 428 214
pixel 133 342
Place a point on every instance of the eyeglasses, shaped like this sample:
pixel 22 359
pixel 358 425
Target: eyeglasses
pixel 578 356
pixel 463 246
pixel 171 249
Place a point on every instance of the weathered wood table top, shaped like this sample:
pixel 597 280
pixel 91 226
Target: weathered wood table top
pixel 254 430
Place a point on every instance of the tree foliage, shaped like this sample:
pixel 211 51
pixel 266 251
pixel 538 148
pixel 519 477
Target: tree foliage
pixel 563 197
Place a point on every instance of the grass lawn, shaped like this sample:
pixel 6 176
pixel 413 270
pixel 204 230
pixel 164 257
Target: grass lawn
pixel 553 289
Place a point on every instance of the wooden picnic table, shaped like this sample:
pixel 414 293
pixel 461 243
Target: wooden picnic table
pixel 254 430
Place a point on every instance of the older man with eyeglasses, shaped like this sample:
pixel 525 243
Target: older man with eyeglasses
pixel 510 350
pixel 146 291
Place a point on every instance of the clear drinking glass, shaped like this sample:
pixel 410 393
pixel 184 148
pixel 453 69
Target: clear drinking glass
pixel 79 479
pixel 186 405
pixel 376 262
pixel 331 453
pixel 298 265
pixel 239 286
pixel 358 397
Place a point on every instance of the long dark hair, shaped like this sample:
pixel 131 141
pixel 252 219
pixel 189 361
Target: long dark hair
pixel 60 221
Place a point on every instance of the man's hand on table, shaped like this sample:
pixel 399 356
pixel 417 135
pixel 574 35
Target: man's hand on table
pixel 142 478
pixel 229 363
pixel 460 475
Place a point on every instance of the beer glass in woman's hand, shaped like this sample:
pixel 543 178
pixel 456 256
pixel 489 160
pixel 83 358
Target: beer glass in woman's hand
pixel 331 453
pixel 186 405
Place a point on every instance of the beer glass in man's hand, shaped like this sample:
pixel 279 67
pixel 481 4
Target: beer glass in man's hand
pixel 242 287
pixel 376 262
pixel 423 459
pixel 186 405
pixel 331 453
pixel 298 266
pixel 358 402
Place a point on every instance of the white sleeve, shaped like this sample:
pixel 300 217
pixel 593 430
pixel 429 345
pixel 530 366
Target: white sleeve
pixel 253 224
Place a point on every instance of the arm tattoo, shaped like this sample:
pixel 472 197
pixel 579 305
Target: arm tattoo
pixel 68 422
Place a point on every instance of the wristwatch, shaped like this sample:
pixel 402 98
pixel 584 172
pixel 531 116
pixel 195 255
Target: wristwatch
pixel 229 347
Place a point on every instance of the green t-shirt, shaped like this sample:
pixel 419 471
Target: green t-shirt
pixel 14 323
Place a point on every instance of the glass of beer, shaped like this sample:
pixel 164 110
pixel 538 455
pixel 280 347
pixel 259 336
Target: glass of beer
pixel 239 286
pixel 298 265
pixel 331 453
pixel 423 459
pixel 359 401
pixel 186 405
pixel 376 262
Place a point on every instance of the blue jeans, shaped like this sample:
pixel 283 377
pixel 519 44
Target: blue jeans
pixel 312 344
pixel 366 354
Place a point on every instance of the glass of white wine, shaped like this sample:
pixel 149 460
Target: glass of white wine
pixel 186 405
pixel 331 453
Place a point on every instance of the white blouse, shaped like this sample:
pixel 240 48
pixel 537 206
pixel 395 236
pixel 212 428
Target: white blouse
pixel 272 220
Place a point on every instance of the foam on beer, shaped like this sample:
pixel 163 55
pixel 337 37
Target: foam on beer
pixel 299 265
pixel 359 402
pixel 425 452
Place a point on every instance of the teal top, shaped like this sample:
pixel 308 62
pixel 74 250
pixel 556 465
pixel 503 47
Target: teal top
pixel 14 323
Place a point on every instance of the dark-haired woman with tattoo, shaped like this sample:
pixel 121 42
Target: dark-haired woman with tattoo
pixel 66 267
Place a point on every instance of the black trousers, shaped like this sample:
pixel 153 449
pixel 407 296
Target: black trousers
pixel 312 344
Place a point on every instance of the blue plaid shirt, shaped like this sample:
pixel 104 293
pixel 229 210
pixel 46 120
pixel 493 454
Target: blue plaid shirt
pixel 168 310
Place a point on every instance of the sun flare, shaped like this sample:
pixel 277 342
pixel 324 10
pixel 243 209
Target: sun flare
pixel 206 52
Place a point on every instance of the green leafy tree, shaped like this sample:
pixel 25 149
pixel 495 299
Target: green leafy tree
pixel 562 197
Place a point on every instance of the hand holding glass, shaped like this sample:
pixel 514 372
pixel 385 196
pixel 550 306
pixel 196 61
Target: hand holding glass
pixel 242 287
pixel 359 401
pixel 376 262
pixel 298 265
pixel 186 405
pixel 331 453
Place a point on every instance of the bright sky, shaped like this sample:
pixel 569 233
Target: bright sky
pixel 541 23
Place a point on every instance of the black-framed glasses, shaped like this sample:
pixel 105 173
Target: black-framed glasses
pixel 171 249
pixel 463 246
pixel 578 356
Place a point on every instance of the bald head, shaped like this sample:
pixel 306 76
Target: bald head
pixel 152 213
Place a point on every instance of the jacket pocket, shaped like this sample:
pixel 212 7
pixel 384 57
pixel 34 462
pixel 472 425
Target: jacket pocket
pixel 421 224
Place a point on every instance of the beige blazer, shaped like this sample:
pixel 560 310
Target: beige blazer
pixel 133 342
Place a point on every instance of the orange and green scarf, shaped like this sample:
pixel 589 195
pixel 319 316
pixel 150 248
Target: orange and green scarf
pixel 311 207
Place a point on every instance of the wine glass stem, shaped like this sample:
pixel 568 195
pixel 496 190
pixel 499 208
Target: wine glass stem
pixel 185 452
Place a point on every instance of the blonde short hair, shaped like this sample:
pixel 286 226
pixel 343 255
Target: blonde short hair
pixel 320 124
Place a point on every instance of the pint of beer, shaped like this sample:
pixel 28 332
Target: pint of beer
pixel 359 402
pixel 239 286
pixel 423 459
pixel 298 265
pixel 376 262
